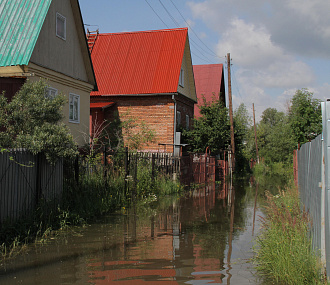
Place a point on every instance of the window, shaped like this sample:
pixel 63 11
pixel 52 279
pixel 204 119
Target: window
pixel 50 93
pixel 178 118
pixel 181 79
pixel 60 26
pixel 74 108
pixel 187 122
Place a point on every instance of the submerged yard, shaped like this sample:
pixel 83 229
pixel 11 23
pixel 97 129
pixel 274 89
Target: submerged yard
pixel 203 237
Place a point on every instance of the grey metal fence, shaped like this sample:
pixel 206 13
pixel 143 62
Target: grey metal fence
pixel 309 183
pixel 326 181
pixel 314 185
pixel 25 179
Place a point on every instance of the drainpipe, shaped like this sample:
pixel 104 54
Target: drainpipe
pixel 174 137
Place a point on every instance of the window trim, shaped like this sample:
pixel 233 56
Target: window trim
pixel 73 96
pixel 59 16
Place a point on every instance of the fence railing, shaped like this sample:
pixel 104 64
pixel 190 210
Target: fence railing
pixel 25 179
pixel 314 185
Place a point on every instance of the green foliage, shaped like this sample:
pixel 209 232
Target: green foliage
pixel 284 250
pixel 242 125
pixel 305 116
pixel 33 121
pixel 273 175
pixel 211 130
pixel 275 140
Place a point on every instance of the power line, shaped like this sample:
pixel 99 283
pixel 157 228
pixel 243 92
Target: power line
pixel 236 85
pixel 178 25
pixel 213 53
pixel 156 14
pixel 173 19
pixel 200 50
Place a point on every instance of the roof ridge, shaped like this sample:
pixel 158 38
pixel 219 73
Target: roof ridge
pixel 148 31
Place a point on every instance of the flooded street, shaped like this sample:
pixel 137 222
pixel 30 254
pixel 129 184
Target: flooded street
pixel 204 237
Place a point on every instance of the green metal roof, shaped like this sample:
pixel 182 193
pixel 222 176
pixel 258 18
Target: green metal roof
pixel 20 24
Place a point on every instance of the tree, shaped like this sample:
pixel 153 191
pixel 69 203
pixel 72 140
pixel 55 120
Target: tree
pixel 305 117
pixel 211 130
pixel 275 136
pixel 33 121
pixel 242 126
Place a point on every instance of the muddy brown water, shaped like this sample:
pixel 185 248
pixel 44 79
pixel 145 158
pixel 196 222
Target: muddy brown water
pixel 205 237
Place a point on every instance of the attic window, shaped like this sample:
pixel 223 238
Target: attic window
pixel 60 26
pixel 50 93
pixel 181 79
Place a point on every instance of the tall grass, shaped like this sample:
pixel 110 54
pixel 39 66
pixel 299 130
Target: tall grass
pixel 284 251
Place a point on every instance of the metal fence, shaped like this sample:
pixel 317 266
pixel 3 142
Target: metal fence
pixel 314 185
pixel 25 179
pixel 309 184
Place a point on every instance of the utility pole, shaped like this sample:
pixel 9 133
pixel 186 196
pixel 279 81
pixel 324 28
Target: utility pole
pixel 255 132
pixel 231 113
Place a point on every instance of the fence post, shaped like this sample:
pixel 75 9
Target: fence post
pixel 153 166
pixel 105 164
pixel 38 178
pixel 126 169
pixel 325 223
pixel 76 169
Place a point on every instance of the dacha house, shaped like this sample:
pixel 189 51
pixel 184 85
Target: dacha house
pixel 45 39
pixel 146 76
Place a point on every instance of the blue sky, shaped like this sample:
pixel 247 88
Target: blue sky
pixel 276 46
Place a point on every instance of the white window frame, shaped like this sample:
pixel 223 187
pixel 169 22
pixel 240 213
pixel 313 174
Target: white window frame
pixel 60 17
pixel 181 78
pixel 74 106
pixel 51 92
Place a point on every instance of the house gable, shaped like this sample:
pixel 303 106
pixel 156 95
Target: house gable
pixel 210 84
pixel 188 89
pixel 69 55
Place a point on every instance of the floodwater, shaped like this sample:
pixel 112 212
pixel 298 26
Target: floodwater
pixel 205 237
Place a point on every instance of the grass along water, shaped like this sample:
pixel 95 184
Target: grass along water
pixel 284 253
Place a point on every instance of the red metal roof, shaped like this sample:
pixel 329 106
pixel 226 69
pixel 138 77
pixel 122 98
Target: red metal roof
pixel 145 62
pixel 101 105
pixel 208 83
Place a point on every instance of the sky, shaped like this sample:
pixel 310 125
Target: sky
pixel 276 46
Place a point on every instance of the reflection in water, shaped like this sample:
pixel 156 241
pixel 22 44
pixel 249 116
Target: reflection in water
pixel 202 238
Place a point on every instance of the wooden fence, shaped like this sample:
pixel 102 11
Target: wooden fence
pixel 190 168
pixel 25 179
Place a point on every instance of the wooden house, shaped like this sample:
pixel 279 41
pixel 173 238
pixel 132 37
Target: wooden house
pixel 45 39
pixel 147 76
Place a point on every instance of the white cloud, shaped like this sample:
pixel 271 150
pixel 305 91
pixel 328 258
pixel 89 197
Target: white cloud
pixel 299 26
pixel 268 42
pixel 250 45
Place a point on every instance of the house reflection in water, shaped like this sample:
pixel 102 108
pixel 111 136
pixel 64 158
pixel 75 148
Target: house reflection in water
pixel 179 244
